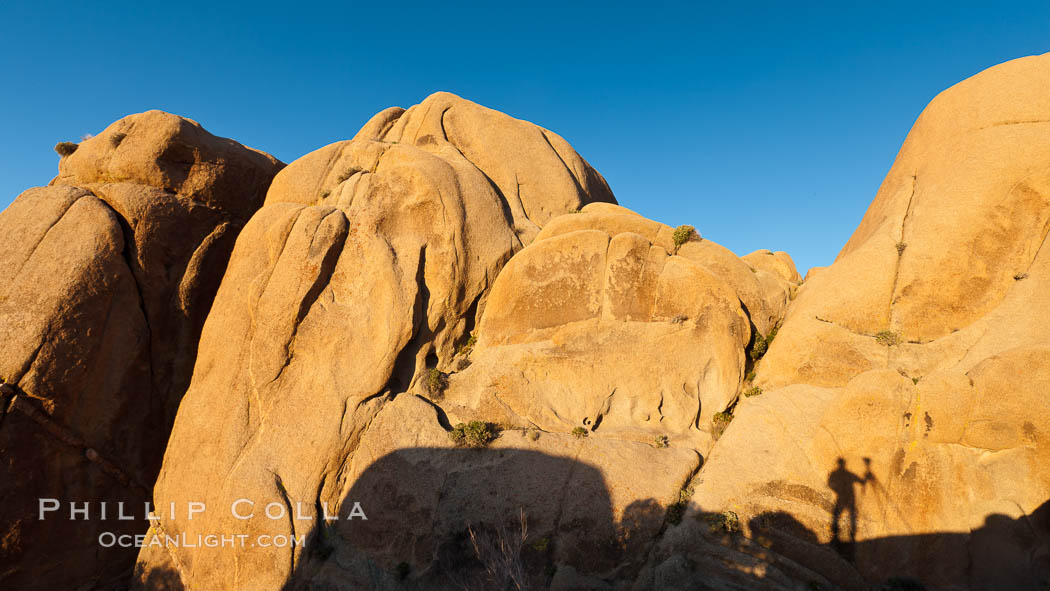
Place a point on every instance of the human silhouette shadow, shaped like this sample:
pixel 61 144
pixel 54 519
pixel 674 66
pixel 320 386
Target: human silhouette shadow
pixel 843 483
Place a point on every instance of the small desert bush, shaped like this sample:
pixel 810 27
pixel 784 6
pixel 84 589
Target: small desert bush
pixel 720 423
pixel 472 434
pixel 901 246
pixel 887 338
pixel 683 234
pixel 467 347
pixel 726 521
pixel 65 148
pixel 753 391
pixel 1020 276
pixel 759 349
pixel 541 544
pixel 435 382
pixel 677 509
pixel 762 343
pixel 662 441
pixel 579 432
pixel 679 319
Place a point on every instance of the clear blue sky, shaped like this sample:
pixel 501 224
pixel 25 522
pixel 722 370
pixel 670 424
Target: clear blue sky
pixel 764 124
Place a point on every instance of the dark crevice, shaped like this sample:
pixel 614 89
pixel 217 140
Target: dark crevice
pixel 405 364
pixel 291 517
pixel 324 277
pixel 441 416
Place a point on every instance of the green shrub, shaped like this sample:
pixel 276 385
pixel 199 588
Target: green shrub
pixel 753 391
pixel 900 247
pixel 65 148
pixel 683 234
pixel 677 509
pixel 467 347
pixel 541 544
pixel 435 382
pixel 662 441
pixel 759 348
pixel 674 513
pixel 720 423
pixel 772 334
pixel 579 432
pixel 472 434
pixel 887 338
pixel 727 521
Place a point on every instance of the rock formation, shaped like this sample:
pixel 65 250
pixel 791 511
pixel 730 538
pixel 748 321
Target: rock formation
pixel 109 273
pixel 906 391
pixel 447 325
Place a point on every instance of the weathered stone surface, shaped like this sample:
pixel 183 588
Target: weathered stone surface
pixel 905 392
pixel 576 323
pixel 368 265
pixel 950 254
pixel 109 273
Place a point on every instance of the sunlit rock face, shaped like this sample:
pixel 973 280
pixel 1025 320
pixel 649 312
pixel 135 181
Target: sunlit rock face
pixel 448 326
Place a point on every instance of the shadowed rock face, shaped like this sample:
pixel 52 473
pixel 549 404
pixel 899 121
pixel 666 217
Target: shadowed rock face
pixel 109 274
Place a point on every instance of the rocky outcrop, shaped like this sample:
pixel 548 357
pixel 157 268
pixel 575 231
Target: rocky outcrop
pixel 904 427
pixel 367 267
pixel 447 325
pixel 109 274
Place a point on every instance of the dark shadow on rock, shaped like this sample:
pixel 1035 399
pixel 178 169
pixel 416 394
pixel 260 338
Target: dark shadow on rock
pixel 844 483
pixel 441 518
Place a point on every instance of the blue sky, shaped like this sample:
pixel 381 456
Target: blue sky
pixel 764 124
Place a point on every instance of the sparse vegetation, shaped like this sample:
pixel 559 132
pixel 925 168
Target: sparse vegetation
pixel 679 319
pixel 753 391
pixel 499 552
pixel 579 432
pixel 116 138
pixel 662 441
pixel 435 382
pixel 467 347
pixel 533 434
pixel 750 377
pixel 915 381
pixel 65 148
pixel 541 544
pixel 683 234
pixel 762 343
pixel 726 521
pixel 473 434
pixel 720 423
pixel 759 348
pixel 887 338
pixel 900 247
pixel 1020 276
pixel 676 510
